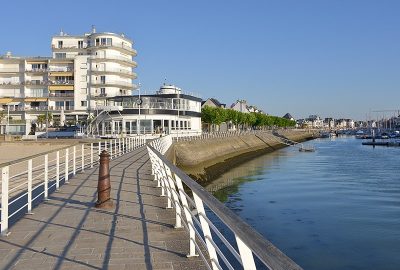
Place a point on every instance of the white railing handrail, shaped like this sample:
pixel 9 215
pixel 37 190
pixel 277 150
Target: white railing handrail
pixel 47 171
pixel 249 242
pixel 162 144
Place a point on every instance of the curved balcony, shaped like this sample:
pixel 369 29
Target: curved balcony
pixel 119 47
pixel 115 71
pixel 114 58
pixel 110 83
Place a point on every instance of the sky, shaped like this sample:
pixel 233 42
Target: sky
pixel 336 58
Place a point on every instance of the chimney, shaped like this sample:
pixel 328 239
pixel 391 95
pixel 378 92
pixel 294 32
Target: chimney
pixel 93 29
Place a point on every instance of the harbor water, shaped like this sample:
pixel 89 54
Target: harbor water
pixel 336 208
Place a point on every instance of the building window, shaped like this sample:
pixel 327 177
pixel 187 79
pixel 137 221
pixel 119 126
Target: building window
pixel 102 91
pixel 80 44
pixel 60 44
pixel 83 103
pixel 61 55
pixel 103 79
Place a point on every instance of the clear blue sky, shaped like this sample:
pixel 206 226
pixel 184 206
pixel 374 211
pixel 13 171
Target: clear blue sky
pixel 333 58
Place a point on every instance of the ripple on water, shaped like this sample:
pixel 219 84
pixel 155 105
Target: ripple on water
pixel 336 208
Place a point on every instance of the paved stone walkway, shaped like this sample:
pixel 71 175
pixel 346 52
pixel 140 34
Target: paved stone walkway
pixel 67 232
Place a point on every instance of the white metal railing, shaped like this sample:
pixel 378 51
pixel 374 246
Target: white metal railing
pixel 31 179
pixel 190 213
pixel 162 144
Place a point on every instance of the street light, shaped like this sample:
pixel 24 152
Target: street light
pixel 139 103
pixel 8 118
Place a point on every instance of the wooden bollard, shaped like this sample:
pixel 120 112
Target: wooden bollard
pixel 104 185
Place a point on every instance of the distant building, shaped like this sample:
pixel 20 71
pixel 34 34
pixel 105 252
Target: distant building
pixel 289 117
pixel 240 106
pixel 314 121
pixel 329 123
pixel 212 102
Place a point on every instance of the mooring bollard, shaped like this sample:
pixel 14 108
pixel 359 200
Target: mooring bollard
pixel 104 185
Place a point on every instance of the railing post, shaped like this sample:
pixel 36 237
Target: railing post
pixel 66 165
pixel 30 186
pixel 46 177
pixel 189 220
pixel 4 200
pixel 74 160
pixel 91 155
pixel 83 157
pixel 57 170
pixel 99 148
pixel 206 231
pixel 246 255
pixel 178 210
pixel 111 149
pixel 119 147
pixel 115 148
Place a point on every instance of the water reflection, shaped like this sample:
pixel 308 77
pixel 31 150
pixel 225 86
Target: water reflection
pixel 336 208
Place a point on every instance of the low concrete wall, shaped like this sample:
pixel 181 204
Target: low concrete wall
pixel 204 160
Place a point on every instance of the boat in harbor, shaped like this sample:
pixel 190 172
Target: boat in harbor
pixel 307 149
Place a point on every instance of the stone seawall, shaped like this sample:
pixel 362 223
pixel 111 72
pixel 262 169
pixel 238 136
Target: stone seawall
pixel 204 160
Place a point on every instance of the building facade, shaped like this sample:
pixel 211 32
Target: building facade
pixel 83 71
pixel 168 111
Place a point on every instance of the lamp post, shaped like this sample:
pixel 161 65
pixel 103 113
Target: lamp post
pixel 139 103
pixel 8 118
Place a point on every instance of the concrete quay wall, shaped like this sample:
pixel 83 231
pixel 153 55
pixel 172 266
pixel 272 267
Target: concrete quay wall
pixel 206 159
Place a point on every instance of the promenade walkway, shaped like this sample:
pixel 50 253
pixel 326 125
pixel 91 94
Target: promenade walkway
pixel 67 232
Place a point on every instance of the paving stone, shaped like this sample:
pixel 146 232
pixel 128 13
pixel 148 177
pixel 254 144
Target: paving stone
pixel 68 232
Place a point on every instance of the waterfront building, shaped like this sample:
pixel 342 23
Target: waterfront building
pixel 168 111
pixel 289 117
pixel 212 102
pixel 240 106
pixel 83 71
pixel 329 123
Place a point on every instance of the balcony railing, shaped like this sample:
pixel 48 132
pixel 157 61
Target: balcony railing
pixel 70 82
pixel 61 94
pixel 41 70
pixel 11 83
pixel 115 57
pixel 109 83
pixel 115 45
pixel 115 70
pixel 37 70
pixel 9 70
pixel 37 82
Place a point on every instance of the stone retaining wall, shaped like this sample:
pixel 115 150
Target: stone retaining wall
pixel 206 159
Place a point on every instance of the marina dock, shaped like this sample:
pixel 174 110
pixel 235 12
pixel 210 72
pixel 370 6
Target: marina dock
pixel 382 143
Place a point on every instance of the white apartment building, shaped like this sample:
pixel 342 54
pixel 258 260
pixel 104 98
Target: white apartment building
pixel 82 72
